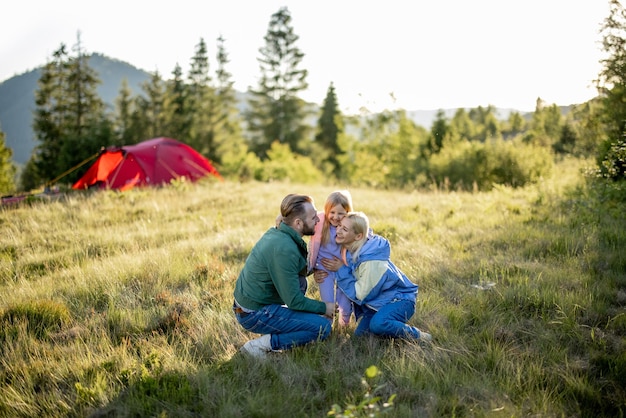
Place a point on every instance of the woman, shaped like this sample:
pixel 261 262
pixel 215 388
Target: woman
pixel 384 298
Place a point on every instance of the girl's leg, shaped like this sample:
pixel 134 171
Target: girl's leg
pixel 327 289
pixel 345 307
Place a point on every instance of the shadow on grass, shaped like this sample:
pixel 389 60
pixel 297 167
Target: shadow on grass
pixel 305 381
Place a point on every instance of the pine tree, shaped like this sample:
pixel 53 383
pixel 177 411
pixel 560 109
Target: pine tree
pixel 202 103
pixel 228 135
pixel 139 122
pixel 175 107
pixel 48 122
pixel 438 132
pixel 7 168
pixel 330 126
pixel 70 123
pixel 88 127
pixel 122 120
pixel 276 113
pixel 151 106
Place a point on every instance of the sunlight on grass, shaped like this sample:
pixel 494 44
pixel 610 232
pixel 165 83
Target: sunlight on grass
pixel 119 304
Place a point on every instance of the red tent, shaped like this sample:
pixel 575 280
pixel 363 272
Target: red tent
pixel 153 162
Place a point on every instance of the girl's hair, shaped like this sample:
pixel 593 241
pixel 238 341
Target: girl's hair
pixel 339 197
pixel 360 225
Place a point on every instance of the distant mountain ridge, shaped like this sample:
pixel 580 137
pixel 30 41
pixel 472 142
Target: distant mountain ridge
pixel 17 101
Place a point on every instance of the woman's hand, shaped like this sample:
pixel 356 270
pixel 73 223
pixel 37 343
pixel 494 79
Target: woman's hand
pixel 332 264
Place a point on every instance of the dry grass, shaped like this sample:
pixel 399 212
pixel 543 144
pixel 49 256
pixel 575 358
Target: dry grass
pixel 118 304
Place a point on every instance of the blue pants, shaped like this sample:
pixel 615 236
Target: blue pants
pixel 287 327
pixel 389 321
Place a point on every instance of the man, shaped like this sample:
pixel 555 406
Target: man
pixel 268 295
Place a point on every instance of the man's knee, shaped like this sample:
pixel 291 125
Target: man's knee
pixel 325 329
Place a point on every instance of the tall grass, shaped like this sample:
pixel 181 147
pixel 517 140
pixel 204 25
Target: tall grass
pixel 119 304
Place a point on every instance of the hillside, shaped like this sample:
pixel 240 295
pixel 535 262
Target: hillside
pixel 120 304
pixel 17 99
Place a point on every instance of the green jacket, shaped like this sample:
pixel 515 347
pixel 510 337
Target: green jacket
pixel 271 273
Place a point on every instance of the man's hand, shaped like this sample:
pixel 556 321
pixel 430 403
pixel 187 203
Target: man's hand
pixel 319 276
pixel 331 307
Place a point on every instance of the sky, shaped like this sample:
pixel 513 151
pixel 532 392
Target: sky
pixel 378 55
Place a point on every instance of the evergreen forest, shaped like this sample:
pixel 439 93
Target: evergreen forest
pixel 272 138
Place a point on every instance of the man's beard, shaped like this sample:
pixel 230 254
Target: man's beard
pixel 308 231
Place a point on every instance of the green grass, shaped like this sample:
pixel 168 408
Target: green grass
pixel 118 304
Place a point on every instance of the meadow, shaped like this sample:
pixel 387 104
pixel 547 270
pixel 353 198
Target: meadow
pixel 119 305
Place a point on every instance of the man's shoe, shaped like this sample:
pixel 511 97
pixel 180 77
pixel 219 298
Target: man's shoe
pixel 259 347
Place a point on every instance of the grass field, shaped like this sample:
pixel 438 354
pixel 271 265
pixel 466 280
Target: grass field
pixel 119 304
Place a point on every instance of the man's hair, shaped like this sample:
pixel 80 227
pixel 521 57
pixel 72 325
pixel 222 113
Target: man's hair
pixel 292 207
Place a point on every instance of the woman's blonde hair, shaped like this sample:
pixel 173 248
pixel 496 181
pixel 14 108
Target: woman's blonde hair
pixel 339 197
pixel 360 225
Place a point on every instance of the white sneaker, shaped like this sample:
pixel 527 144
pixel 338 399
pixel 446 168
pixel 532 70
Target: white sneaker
pixel 424 336
pixel 259 347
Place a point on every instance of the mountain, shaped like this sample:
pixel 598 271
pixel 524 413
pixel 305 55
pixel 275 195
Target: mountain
pixel 17 99
pixel 17 102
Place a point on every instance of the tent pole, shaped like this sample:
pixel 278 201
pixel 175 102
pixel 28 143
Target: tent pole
pixel 76 167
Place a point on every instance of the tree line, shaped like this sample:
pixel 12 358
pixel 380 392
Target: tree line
pixel 272 140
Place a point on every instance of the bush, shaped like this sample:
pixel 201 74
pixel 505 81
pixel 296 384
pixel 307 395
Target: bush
pixel 243 166
pixel 466 165
pixel 285 165
pixel 614 163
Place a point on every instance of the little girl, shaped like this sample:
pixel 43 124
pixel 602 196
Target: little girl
pixel 323 246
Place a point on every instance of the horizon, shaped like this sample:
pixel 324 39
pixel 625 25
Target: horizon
pixel 447 109
pixel 419 56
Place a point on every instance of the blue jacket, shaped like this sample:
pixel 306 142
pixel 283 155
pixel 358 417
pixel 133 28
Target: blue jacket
pixel 373 280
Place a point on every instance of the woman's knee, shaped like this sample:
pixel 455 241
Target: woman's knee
pixel 378 326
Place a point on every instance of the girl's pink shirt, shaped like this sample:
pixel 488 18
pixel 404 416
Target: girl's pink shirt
pixel 316 242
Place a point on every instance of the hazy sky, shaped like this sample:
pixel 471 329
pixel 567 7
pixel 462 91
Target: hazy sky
pixel 386 54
